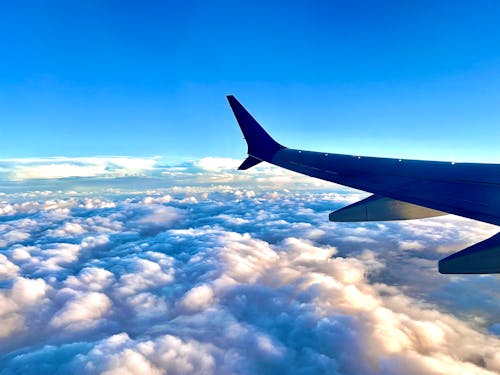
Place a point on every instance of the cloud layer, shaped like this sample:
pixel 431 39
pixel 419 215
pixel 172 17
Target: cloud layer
pixel 211 271
pixel 64 167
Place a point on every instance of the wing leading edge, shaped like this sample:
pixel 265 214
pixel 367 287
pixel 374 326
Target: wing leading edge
pixel 403 189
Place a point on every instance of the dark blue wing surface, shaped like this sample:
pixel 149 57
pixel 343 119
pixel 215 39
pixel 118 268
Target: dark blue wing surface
pixel 470 190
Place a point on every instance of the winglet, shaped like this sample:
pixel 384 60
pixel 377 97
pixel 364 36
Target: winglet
pixel 260 144
pixel 249 163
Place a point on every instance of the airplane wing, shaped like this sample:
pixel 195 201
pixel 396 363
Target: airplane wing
pixel 402 189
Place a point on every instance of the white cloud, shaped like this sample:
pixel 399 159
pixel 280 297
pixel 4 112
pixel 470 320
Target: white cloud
pixel 8 270
pixel 410 245
pixel 176 356
pixel 67 230
pixel 165 355
pixel 64 167
pixel 198 298
pixel 90 278
pixel 15 303
pixel 58 255
pixel 143 274
pixel 59 170
pixel 156 215
pixel 82 312
pixel 13 236
pixel 147 305
pixel 233 278
pixel 217 164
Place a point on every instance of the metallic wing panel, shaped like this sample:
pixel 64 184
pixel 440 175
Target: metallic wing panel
pixel 377 208
pixel 483 257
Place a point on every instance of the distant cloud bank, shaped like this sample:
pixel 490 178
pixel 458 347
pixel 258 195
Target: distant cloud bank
pixel 133 266
pixel 64 167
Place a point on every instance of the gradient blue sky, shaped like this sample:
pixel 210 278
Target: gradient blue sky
pixel 390 78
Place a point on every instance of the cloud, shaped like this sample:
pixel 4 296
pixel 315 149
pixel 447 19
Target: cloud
pixel 157 216
pixel 16 303
pixel 166 354
pixel 81 312
pixel 217 164
pixel 196 276
pixel 64 167
pixel 410 245
pixel 198 298
pixel 90 278
pixel 8 270
pixel 153 172
pixel 141 274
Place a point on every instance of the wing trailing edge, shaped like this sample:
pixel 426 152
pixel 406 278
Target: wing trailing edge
pixel 378 208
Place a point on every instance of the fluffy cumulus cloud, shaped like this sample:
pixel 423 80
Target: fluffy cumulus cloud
pixel 198 269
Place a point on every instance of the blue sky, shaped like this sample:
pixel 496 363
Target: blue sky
pixel 409 79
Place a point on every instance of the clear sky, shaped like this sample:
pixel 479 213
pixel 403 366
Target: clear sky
pixel 142 78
